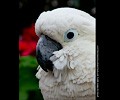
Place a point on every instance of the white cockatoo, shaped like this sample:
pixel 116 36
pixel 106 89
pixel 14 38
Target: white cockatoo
pixel 66 54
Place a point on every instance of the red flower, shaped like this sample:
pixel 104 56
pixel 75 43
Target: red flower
pixel 29 34
pixel 28 41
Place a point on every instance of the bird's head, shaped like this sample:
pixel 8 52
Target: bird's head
pixel 61 28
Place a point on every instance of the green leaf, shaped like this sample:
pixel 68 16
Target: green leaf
pixel 23 95
pixel 28 61
pixel 27 79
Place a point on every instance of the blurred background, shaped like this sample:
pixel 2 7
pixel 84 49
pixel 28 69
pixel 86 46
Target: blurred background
pixel 29 10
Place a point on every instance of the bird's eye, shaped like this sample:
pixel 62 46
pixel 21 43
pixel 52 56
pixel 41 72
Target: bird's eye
pixel 70 35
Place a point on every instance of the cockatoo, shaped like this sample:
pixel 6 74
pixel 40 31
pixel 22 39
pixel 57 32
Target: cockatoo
pixel 66 54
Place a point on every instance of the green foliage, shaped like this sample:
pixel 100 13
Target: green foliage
pixel 28 83
pixel 28 61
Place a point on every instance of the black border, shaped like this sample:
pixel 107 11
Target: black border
pixel 9 51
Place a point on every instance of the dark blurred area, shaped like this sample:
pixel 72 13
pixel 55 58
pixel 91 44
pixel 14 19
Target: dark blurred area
pixel 29 10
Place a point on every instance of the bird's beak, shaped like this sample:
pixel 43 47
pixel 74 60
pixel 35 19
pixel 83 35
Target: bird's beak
pixel 44 50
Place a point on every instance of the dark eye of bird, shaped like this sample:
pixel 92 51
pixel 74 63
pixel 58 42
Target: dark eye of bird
pixel 70 35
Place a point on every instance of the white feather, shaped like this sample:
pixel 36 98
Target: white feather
pixel 73 76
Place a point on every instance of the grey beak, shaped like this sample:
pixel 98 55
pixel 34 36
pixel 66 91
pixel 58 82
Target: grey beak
pixel 44 50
